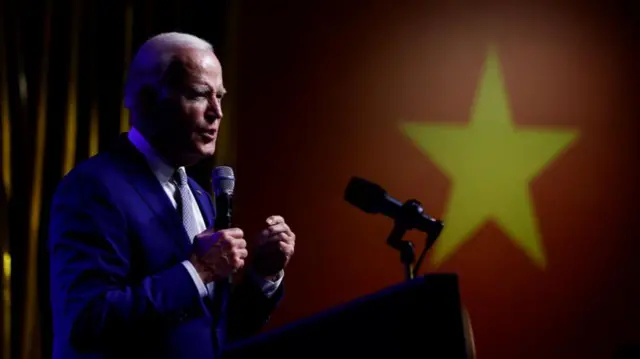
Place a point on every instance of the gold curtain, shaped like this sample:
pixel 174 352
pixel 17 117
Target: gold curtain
pixel 62 67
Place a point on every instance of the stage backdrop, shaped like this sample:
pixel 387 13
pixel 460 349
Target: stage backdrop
pixel 515 124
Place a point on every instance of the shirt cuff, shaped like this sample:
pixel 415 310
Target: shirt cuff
pixel 202 288
pixel 269 287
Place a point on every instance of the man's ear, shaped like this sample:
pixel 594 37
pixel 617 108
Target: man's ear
pixel 147 98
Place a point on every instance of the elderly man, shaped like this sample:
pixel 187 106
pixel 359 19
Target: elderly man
pixel 136 268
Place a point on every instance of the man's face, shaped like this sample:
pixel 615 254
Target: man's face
pixel 190 106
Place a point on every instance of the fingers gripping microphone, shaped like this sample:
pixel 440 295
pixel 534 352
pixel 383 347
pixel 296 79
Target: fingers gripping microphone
pixel 223 185
pixel 371 198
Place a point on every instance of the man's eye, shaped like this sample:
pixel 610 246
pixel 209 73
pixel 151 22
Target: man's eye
pixel 194 95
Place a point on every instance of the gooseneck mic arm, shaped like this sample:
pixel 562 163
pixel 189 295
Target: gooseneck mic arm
pixel 402 223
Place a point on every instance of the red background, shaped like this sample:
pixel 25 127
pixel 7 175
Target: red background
pixel 322 86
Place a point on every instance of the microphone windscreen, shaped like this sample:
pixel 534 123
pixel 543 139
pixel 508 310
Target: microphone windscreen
pixel 365 195
pixel 224 180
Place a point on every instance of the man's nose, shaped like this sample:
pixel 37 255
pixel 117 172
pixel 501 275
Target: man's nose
pixel 214 112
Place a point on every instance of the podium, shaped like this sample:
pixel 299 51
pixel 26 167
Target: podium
pixel 420 318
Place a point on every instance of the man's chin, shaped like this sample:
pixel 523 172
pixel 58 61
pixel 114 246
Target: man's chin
pixel 205 151
pixel 195 156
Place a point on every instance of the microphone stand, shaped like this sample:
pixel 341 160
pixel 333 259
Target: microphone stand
pixel 403 222
pixel 406 248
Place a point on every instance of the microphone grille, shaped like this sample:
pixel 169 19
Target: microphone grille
pixel 224 180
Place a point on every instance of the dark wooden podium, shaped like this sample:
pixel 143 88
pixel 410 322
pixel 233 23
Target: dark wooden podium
pixel 421 318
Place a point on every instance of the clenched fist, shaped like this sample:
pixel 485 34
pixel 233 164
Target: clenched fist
pixel 216 255
pixel 276 245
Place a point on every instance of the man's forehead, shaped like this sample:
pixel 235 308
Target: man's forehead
pixel 195 60
pixel 196 65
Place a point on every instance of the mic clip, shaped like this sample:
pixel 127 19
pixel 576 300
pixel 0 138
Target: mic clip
pixel 407 218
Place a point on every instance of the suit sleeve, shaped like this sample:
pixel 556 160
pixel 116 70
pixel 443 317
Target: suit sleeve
pixel 91 291
pixel 249 309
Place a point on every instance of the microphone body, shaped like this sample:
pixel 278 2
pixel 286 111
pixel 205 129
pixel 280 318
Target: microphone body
pixel 224 208
pixel 223 185
pixel 371 198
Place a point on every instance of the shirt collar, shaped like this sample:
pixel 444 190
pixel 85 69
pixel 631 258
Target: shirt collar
pixel 160 168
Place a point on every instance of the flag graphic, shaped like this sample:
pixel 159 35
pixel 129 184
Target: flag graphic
pixel 491 163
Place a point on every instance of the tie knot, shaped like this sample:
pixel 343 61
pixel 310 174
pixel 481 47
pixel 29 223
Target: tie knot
pixel 180 177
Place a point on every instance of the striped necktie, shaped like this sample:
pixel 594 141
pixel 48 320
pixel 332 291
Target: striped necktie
pixel 185 203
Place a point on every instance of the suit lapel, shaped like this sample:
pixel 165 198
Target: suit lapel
pixel 206 208
pixel 146 184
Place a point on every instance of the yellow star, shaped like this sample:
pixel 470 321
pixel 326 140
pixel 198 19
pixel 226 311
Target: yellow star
pixel 490 163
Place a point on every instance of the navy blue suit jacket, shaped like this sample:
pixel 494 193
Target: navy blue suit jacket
pixel 118 289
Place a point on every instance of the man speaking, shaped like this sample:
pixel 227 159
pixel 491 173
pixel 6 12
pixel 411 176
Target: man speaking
pixel 137 268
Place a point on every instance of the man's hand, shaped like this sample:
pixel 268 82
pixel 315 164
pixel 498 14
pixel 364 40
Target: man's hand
pixel 276 245
pixel 216 255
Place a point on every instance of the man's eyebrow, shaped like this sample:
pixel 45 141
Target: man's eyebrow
pixel 209 88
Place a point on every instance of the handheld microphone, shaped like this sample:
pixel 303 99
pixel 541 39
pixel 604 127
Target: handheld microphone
pixel 371 198
pixel 223 182
pixel 223 185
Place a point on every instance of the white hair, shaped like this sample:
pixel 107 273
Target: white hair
pixel 153 58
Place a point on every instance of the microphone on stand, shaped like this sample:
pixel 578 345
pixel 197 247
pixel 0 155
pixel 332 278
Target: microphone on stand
pixel 371 198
